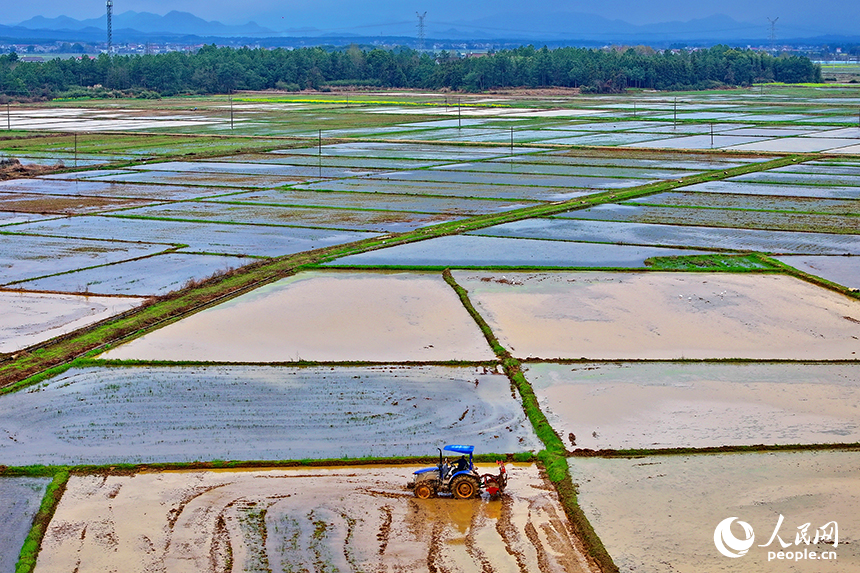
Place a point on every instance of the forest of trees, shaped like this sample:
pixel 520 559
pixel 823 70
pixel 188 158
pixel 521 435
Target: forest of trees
pixel 222 70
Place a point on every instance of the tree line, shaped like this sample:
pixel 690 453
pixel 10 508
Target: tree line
pixel 222 70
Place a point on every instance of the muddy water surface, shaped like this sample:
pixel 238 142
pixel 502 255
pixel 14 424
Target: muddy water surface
pixel 327 316
pixel 659 514
pixel 671 405
pixel 665 315
pixel 308 519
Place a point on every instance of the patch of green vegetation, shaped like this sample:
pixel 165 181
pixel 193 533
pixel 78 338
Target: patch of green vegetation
pixel 717 262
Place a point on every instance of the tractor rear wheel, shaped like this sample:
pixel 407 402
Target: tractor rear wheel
pixel 464 487
pixel 424 491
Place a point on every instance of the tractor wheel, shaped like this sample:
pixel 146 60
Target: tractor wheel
pixel 464 487
pixel 423 491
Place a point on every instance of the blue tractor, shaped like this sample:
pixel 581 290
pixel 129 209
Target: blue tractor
pixel 461 479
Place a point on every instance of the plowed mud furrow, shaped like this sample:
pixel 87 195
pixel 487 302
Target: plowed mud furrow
pixel 309 520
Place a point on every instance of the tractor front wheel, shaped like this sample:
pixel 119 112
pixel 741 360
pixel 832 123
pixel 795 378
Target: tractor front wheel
pixel 464 487
pixel 423 491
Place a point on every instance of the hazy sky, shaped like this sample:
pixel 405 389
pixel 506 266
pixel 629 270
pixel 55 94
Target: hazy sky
pixel 336 15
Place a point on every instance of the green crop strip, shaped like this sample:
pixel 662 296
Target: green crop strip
pixel 30 550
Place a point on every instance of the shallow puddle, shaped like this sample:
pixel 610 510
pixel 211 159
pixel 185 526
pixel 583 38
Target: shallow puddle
pixel 659 513
pixel 360 518
pixel 328 316
pixel 665 315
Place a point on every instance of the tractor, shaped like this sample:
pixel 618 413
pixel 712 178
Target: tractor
pixel 461 479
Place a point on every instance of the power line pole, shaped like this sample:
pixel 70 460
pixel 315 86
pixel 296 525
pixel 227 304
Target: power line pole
pixel 421 30
pixel 773 34
pixel 109 25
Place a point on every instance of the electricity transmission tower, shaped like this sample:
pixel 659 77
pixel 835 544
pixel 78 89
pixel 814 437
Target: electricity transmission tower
pixel 421 29
pixel 109 25
pixel 773 33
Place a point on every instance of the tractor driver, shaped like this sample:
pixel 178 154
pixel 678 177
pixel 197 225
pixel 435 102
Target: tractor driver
pixel 461 465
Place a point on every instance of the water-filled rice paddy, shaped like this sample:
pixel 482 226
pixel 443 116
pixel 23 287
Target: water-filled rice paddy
pixel 63 204
pixel 784 177
pixel 26 257
pixel 787 190
pixel 677 235
pixel 500 167
pixel 150 276
pixel 477 251
pixel 405 151
pixel 162 413
pixel 362 163
pixel 94 188
pixel 30 318
pixel 644 161
pixel 717 217
pixel 325 316
pixel 306 519
pixel 13 218
pixel 255 240
pixel 521 190
pixel 292 171
pixel 600 315
pixel 753 202
pixel 717 141
pixel 213 179
pixel 796 144
pixel 380 201
pixel 697 405
pixel 19 501
pixel 841 270
pixel 255 214
pixel 437 175
pixel 659 513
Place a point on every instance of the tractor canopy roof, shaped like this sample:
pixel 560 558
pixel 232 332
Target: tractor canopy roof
pixel 460 449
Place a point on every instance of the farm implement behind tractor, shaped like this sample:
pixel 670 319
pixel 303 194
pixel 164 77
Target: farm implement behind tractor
pixel 460 479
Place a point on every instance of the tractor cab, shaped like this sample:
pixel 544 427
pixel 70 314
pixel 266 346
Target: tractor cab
pixel 459 478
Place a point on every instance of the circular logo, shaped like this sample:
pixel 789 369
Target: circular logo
pixel 727 543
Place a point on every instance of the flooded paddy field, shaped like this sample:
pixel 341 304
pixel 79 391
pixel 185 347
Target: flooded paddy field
pixel 526 169
pixel 520 191
pixel 841 270
pixel 753 202
pixel 563 229
pixel 63 204
pixel 478 251
pixel 698 142
pixel 238 180
pixel 376 201
pixel 802 144
pixel 333 161
pixel 92 188
pixel 787 190
pixel 347 518
pixel 216 238
pixel 150 276
pixel 19 501
pixel 13 218
pixel 136 414
pixel 26 257
pixel 787 177
pixel 29 318
pixel 324 316
pixel 644 160
pixel 410 151
pixel 437 175
pixel 698 405
pixel 659 513
pixel 717 217
pixel 600 315
pixel 256 214
pixel 232 167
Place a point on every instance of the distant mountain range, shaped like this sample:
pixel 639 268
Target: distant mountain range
pixel 148 23
pixel 526 27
